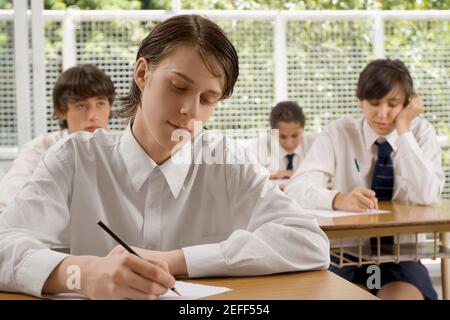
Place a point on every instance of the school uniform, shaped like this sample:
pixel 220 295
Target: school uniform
pixel 274 157
pixel 228 219
pixel 417 177
pixel 24 165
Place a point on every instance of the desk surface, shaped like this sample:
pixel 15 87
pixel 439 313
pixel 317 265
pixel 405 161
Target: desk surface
pixel 402 214
pixel 404 218
pixel 311 285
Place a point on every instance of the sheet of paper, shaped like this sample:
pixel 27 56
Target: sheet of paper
pixel 192 291
pixel 337 214
pixel 188 291
pixel 280 181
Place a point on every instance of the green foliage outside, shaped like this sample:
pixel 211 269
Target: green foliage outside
pixel 315 4
pixel 245 5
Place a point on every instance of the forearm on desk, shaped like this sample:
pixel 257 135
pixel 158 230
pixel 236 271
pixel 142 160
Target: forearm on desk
pixel 177 263
pixel 57 281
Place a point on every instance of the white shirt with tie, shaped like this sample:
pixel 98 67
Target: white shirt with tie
pixel 228 219
pixel 416 156
pixel 274 157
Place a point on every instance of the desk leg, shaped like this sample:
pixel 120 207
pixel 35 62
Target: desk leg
pixel 445 269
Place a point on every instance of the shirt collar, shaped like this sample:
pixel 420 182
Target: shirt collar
pixel 139 164
pixel 371 136
pixel 176 168
pixel 284 153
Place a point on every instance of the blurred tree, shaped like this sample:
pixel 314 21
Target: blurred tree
pixel 107 4
pixel 5 4
pixel 92 4
pixel 315 4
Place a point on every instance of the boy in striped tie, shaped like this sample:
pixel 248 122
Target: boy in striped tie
pixel 292 144
pixel 399 159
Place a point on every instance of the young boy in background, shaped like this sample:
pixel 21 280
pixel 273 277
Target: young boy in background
pixel 82 100
pixel 283 157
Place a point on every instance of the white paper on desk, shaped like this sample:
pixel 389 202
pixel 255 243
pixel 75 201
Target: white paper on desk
pixel 192 291
pixel 337 213
pixel 280 181
pixel 188 291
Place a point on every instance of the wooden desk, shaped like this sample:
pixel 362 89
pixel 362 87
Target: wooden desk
pixel 310 285
pixel 404 218
pixel 15 296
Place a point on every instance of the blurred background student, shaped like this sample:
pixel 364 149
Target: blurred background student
pixel 282 156
pixel 82 100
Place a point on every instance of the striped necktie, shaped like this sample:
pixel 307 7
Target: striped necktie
pixel 290 164
pixel 383 175
pixel 383 181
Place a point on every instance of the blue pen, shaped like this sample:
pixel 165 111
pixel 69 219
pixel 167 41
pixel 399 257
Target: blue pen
pixel 361 180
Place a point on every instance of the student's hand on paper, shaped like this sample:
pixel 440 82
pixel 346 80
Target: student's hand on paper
pixel 360 199
pixel 174 259
pixel 412 110
pixel 122 275
pixel 282 174
pixel 286 174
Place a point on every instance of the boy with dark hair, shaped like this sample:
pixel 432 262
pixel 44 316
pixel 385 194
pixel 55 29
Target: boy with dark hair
pixel 82 100
pixel 283 156
pixel 399 159
pixel 184 218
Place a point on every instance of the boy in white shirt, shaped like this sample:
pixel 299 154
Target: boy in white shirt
pixel 82 100
pixel 399 159
pixel 182 215
pixel 283 157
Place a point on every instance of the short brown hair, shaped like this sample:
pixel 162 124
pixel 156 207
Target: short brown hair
pixel 203 34
pixel 380 76
pixel 287 111
pixel 78 83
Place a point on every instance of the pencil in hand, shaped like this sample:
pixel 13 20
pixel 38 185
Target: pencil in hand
pixel 123 244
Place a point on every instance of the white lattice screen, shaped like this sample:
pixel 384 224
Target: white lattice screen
pixel 254 92
pixel 109 45
pixel 8 123
pixel 53 66
pixel 323 61
pixel 425 47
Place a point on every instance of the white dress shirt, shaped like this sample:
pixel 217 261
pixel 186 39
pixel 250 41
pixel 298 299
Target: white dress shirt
pixel 418 175
pixel 24 165
pixel 228 219
pixel 273 156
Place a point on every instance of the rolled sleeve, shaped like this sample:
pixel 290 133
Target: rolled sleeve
pixel 35 270
pixel 420 177
pixel 407 143
pixel 210 255
pixel 325 199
